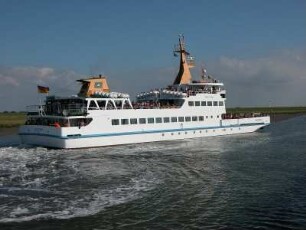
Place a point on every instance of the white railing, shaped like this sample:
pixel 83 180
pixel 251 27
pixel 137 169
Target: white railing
pixel 70 110
pixel 36 110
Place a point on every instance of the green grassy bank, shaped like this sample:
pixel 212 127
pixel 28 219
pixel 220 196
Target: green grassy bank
pixel 14 119
pixel 269 110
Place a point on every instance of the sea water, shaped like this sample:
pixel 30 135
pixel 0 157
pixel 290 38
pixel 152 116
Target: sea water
pixel 247 181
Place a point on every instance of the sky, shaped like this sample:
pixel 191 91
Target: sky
pixel 256 47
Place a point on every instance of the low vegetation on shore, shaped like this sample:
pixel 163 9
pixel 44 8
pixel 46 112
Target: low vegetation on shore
pixel 12 119
pixel 268 110
pixel 15 119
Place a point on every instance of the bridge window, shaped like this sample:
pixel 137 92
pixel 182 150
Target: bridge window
pixel 215 103
pixel 158 120
pixel 151 120
pixel 124 121
pixel 203 103
pixel 187 119
pixel 133 121
pixel 190 103
pixel 197 103
pixel 209 103
pixel 201 118
pixel 221 103
pixel 173 119
pixel 194 118
pixel 142 120
pixel 181 119
pixel 166 119
pixel 77 122
pixel 115 121
pixel 98 85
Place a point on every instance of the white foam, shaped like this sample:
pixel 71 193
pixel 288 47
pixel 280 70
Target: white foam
pixel 83 206
pixel 19 211
pixel 40 184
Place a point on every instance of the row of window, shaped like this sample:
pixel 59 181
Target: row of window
pixel 152 120
pixel 205 103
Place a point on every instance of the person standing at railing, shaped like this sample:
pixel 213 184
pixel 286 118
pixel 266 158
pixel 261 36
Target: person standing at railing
pixel 57 125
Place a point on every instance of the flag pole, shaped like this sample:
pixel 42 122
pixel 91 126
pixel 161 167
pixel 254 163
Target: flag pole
pixel 42 90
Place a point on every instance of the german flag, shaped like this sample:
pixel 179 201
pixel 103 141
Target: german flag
pixel 42 89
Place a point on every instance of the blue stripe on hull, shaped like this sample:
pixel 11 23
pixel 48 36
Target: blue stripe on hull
pixel 76 136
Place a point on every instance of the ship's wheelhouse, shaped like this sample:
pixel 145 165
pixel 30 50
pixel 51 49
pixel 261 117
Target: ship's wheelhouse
pixel 72 106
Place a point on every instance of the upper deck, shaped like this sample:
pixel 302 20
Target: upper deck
pixel 95 93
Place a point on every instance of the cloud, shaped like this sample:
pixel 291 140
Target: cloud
pixel 274 80
pixel 6 80
pixel 18 85
pixel 278 79
pixel 15 75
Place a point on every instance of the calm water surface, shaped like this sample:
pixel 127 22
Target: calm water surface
pixel 251 181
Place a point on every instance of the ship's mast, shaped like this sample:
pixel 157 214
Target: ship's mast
pixel 203 73
pixel 186 62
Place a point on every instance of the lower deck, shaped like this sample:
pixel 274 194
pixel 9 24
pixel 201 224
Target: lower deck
pixel 76 138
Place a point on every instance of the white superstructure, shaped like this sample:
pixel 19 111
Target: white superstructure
pixel 99 117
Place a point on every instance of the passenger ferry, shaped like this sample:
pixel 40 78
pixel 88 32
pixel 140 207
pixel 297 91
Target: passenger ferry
pixel 99 117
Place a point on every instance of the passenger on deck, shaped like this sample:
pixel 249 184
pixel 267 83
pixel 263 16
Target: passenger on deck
pixel 66 123
pixel 57 125
pixel 81 123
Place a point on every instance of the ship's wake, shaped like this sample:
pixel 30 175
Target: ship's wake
pixel 36 183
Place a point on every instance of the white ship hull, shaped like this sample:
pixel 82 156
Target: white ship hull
pixel 70 138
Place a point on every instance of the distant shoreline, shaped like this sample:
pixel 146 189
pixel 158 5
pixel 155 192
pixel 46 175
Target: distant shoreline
pixel 299 110
pixel 280 117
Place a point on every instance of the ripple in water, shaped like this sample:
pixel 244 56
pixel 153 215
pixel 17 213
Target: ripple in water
pixel 232 182
pixel 39 183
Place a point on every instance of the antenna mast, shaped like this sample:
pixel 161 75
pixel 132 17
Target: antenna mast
pixel 186 62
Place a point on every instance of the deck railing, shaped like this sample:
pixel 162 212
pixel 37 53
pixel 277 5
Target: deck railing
pixel 68 110
pixel 36 110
